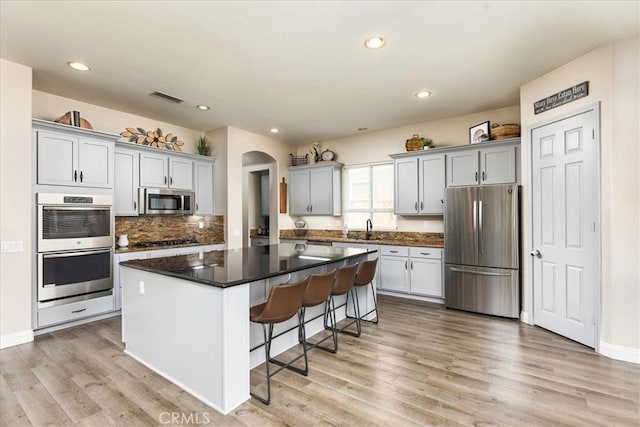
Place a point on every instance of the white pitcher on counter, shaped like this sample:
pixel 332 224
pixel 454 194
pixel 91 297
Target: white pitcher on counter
pixel 123 241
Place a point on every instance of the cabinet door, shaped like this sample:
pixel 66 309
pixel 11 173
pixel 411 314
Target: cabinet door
pixel 180 173
pixel 321 191
pixel 153 170
pixel 498 165
pixel 426 277
pixel 57 159
pixel 406 186
pixel 394 273
pixel 204 188
pixel 432 184
pixel 299 192
pixel 125 186
pixel 95 163
pixel 462 168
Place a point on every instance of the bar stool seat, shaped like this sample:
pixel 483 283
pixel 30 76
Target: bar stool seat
pixel 364 277
pixel 343 284
pixel 318 292
pixel 283 303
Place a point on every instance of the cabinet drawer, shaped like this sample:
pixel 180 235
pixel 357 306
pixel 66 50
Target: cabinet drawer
pixel 74 310
pixel 435 253
pixel 394 250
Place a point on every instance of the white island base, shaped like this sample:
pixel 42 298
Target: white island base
pixel 199 336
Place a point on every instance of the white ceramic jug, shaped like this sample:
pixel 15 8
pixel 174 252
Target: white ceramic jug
pixel 123 241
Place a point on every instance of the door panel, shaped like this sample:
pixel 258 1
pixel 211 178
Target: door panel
pixel 299 192
pixel 564 190
pixel 321 188
pixel 94 162
pixel 406 171
pixel 57 159
pixel 461 242
pixel 180 173
pixel 462 168
pixel 498 226
pixel 498 165
pixel 432 184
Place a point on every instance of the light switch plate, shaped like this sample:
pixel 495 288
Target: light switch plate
pixel 12 246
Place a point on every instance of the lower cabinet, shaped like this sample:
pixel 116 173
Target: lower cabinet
pixel 74 311
pixel 411 270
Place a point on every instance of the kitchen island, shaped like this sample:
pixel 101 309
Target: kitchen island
pixel 187 317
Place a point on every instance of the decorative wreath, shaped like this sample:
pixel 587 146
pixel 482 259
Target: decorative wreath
pixel 153 138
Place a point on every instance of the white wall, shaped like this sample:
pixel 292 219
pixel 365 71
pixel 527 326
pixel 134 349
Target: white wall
pixel 15 202
pixel 612 72
pixel 375 146
pixel 49 107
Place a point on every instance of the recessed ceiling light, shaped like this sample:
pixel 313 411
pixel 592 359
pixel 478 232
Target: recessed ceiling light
pixel 423 94
pixel 78 66
pixel 375 42
pixel 202 107
pixel 274 130
pixel 362 129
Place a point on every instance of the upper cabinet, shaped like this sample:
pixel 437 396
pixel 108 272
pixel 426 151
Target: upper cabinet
pixel 316 189
pixel 68 156
pixel 160 170
pixel 203 187
pixel 482 166
pixel 419 184
pixel 125 188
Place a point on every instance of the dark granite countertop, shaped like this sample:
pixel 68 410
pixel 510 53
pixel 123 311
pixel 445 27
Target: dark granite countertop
pixel 133 248
pixel 238 266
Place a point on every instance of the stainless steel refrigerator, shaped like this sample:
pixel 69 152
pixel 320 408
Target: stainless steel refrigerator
pixel 482 260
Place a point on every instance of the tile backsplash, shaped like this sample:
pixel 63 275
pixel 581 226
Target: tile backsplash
pixel 170 227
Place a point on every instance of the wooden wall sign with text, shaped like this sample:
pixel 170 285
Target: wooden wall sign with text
pixel 563 97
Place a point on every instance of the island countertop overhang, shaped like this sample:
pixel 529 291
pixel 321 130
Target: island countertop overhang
pixel 234 267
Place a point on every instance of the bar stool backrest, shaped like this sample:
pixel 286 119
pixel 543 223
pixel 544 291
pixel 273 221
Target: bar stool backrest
pixel 283 302
pixel 366 272
pixel 345 277
pixel 319 288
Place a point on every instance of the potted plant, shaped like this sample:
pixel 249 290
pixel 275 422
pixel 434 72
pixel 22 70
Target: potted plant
pixel 202 144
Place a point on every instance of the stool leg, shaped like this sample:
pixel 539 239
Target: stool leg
pixel 375 304
pixel 267 349
pixel 288 365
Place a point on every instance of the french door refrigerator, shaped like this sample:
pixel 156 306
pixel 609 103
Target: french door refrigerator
pixel 481 249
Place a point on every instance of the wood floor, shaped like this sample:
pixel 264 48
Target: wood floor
pixel 422 365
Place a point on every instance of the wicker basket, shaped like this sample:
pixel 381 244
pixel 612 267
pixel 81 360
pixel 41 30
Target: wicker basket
pixel 299 160
pixel 511 130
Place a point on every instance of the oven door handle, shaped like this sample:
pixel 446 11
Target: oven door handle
pixel 75 207
pixel 79 253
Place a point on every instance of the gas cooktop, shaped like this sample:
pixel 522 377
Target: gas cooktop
pixel 173 242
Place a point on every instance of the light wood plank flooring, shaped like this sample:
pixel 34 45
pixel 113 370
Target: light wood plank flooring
pixel 422 365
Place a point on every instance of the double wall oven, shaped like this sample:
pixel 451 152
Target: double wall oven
pixel 75 241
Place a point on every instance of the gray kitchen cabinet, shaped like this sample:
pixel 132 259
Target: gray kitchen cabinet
pixel 411 270
pixel 419 184
pixel 125 186
pixel 315 189
pixel 165 171
pixel 482 166
pixel 69 159
pixel 203 187
pixel 394 269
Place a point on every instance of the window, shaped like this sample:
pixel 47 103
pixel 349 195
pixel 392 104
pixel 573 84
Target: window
pixel 369 195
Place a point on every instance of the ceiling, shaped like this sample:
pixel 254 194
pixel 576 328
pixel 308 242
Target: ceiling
pixel 301 66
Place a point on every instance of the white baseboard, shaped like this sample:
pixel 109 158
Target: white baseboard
pixel 16 338
pixel 524 317
pixel 619 352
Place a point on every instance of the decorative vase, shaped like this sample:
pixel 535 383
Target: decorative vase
pixel 123 241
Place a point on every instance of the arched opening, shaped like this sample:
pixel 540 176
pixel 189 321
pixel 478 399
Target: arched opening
pixel 259 196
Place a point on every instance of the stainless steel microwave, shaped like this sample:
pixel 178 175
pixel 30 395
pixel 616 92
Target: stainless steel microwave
pixel 160 201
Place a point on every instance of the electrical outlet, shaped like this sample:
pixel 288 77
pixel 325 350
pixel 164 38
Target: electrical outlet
pixel 12 246
pixel 200 224
pixel 200 255
pixel 141 287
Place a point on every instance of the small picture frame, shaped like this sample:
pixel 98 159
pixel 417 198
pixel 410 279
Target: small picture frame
pixel 479 133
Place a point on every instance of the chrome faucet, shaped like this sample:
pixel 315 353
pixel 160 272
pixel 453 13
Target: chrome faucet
pixel 369 230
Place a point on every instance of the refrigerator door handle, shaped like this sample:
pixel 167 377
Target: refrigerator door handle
pixel 479 226
pixel 475 216
pixel 480 273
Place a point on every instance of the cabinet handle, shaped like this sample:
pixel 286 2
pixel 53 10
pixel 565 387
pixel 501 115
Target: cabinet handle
pixel 165 179
pixel 442 201
pixel 484 176
pixel 197 207
pixel 80 176
pixel 170 180
pixel 79 311
pixel 416 207
pixel 311 208
pixel 421 205
pixel 405 265
pixel 412 265
pixel 135 205
pixel 476 176
pixel 394 252
pixel 425 253
pixel 75 176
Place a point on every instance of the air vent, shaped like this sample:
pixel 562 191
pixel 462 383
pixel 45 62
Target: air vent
pixel 167 97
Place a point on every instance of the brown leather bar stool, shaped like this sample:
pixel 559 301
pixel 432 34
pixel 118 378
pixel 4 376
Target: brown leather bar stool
pixel 318 292
pixel 343 284
pixel 364 277
pixel 283 303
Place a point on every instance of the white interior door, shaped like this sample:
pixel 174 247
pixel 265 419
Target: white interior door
pixel 565 211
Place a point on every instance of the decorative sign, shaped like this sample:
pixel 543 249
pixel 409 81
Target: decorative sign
pixel 563 97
